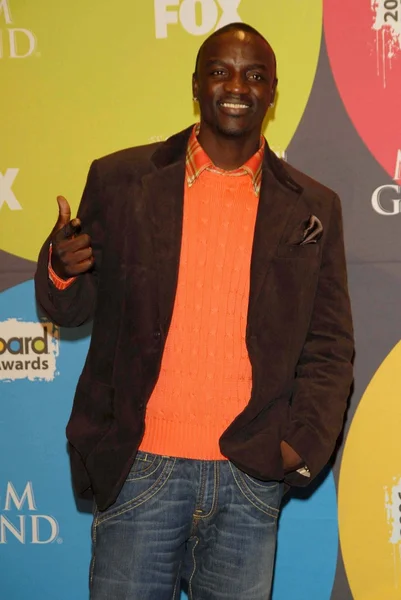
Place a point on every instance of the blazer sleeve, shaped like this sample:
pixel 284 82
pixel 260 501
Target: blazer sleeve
pixel 324 371
pixel 75 305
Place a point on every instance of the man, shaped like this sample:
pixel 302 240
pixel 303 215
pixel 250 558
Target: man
pixel 220 358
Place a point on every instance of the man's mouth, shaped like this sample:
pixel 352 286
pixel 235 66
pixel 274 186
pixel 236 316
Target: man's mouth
pixel 234 108
pixel 234 105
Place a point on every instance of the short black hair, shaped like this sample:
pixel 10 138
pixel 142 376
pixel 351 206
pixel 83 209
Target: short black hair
pixel 239 26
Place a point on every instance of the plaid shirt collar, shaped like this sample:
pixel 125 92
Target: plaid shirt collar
pixel 198 161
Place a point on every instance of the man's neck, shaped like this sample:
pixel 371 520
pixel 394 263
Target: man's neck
pixel 228 152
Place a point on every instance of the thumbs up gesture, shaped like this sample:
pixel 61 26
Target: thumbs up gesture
pixel 71 250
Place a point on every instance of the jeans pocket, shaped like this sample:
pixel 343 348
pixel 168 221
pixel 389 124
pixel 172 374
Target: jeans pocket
pixel 144 465
pixel 264 495
pixel 144 481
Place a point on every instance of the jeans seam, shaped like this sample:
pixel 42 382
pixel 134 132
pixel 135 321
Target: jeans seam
pixel 131 504
pixel 201 493
pixel 275 483
pixel 177 579
pixel 216 482
pixel 191 597
pixel 203 484
pixel 250 497
pixel 146 472
pixel 92 567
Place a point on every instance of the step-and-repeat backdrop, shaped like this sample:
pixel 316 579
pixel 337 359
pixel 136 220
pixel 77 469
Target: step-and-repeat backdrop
pixel 82 79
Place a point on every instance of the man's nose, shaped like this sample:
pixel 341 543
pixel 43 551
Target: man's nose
pixel 237 84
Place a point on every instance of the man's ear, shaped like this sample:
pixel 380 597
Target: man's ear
pixel 274 89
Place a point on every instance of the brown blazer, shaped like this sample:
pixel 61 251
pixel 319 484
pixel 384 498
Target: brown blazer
pixel 299 330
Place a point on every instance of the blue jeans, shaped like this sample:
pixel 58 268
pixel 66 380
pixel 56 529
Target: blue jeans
pixel 205 522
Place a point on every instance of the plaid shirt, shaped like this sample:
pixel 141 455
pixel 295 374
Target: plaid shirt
pixel 198 161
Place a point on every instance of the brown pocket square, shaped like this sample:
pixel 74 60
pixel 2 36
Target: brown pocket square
pixel 313 231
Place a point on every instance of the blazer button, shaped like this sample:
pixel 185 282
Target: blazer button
pixel 156 335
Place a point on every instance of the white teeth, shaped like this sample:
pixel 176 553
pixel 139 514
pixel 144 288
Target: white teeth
pixel 232 105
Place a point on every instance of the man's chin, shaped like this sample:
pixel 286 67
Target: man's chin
pixel 231 131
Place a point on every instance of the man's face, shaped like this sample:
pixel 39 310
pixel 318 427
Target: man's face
pixel 235 82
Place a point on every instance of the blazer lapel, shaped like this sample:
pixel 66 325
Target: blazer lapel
pixel 276 203
pixel 164 191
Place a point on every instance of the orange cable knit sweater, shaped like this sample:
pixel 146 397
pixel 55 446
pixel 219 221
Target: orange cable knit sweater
pixel 205 378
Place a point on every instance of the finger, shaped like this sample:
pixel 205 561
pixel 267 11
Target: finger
pixel 72 228
pixel 78 257
pixel 68 231
pixel 64 213
pixel 81 267
pixel 79 242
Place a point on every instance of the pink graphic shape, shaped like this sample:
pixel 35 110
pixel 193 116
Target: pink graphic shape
pixel 363 40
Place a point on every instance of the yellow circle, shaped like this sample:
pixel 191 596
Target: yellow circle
pixel 370 481
pixel 39 345
pixel 85 79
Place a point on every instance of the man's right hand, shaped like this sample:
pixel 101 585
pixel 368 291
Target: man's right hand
pixel 71 250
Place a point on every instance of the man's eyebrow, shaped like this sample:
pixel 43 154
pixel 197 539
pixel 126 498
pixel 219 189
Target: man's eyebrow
pixel 259 66
pixel 213 61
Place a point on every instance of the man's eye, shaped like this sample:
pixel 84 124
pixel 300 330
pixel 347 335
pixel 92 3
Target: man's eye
pixel 255 76
pixel 218 72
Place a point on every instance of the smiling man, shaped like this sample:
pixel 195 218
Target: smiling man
pixel 234 82
pixel 220 361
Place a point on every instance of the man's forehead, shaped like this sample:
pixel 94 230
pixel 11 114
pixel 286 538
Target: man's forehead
pixel 229 44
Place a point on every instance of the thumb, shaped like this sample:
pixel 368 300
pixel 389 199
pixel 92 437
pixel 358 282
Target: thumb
pixel 64 213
